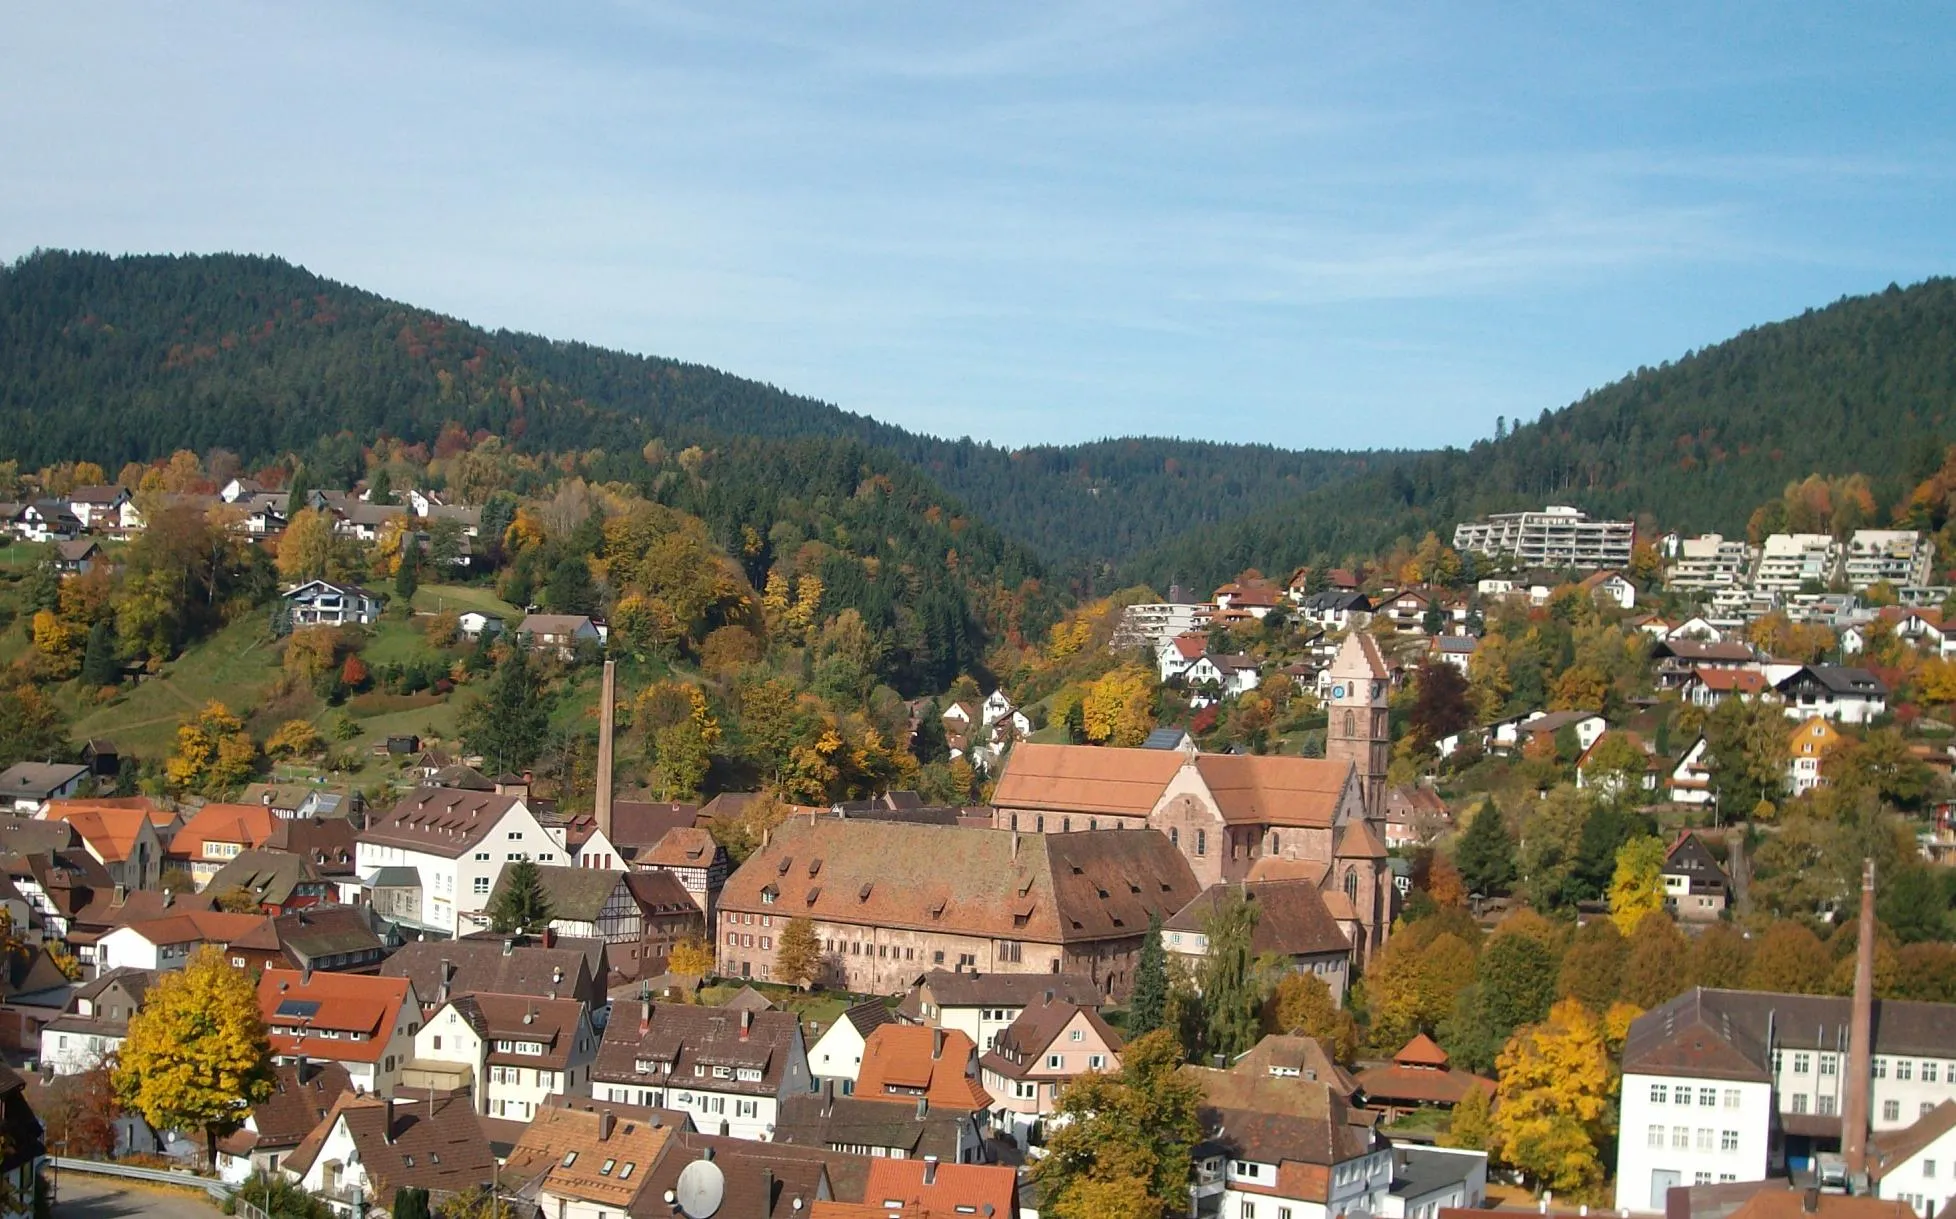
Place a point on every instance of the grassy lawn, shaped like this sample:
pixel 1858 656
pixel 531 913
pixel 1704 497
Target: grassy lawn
pixel 236 666
pixel 460 598
pixel 395 642
pixel 823 1007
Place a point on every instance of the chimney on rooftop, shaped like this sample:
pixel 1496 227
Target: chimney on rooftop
pixel 1857 1107
pixel 389 1128
pixel 828 1097
pixel 607 1119
pixel 1810 1201
pixel 746 1022
pixel 644 1017
pixel 447 979
pixel 936 1043
pixel 607 713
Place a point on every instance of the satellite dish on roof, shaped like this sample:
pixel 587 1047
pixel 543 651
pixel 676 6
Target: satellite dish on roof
pixel 701 1187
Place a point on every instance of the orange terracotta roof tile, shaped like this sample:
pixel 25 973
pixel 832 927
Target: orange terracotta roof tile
pixel 248 825
pixel 904 1061
pixel 110 831
pixel 362 1009
pixel 944 1189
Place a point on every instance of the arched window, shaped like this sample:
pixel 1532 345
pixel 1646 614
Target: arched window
pixel 1351 724
pixel 1351 883
pixel 1273 842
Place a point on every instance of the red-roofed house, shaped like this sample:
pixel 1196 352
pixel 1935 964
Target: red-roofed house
pixel 365 1023
pixel 122 838
pixel 218 833
pixel 988 1191
pixel 1049 1046
pixel 911 1064
pixel 168 942
pixel 1708 687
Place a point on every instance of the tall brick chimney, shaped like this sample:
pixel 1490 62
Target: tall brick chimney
pixel 1857 1106
pixel 607 715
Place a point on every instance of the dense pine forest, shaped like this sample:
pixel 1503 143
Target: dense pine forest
pixel 1867 384
pixel 119 359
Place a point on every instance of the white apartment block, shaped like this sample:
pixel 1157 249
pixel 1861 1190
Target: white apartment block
pixel 1789 560
pixel 456 841
pixel 1900 557
pixel 1557 536
pixel 1152 624
pixel 1711 562
pixel 1723 1085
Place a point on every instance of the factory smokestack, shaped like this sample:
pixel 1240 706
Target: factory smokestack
pixel 607 715
pixel 1857 1108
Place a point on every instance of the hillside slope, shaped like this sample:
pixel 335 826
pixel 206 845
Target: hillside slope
pixel 119 359
pixel 1867 385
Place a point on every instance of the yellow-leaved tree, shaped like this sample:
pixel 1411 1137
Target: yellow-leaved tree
pixel 196 1058
pixel 1552 1109
pixel 214 752
pixel 1637 888
pixel 691 958
pixel 306 546
pixel 1119 708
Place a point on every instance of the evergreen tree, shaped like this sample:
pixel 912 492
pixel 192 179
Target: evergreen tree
pixel 411 1203
pixel 381 489
pixel 1486 854
pixel 571 590
pixel 507 724
pixel 99 667
pixel 297 489
pixel 1148 1006
pixel 407 577
pixel 520 903
pixel 1076 723
pixel 1234 982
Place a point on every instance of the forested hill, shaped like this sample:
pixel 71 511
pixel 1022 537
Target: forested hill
pixel 1867 385
pixel 118 359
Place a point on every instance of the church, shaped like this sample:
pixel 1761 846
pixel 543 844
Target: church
pixel 1239 817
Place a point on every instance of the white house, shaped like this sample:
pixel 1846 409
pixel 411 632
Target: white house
pixel 1915 1165
pixel 324 603
pixel 1174 656
pixel 457 842
pixel 27 786
pixel 983 1005
pixel 512 1051
pixel 994 706
pixel 1691 778
pixel 1724 1085
pixel 837 1054
pixel 95 1022
pixel 97 507
pixel 475 624
pixel 728 1069
pixel 363 1022
pixel 1833 692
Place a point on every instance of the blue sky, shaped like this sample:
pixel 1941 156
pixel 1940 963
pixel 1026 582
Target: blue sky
pixel 1317 224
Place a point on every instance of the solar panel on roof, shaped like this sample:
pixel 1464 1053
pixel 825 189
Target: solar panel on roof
pixel 298 1009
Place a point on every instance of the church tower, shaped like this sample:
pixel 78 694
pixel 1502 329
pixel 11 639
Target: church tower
pixel 1358 731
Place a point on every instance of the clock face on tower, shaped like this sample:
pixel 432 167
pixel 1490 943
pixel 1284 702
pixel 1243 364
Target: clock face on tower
pixel 1337 692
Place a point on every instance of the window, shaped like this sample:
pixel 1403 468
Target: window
pixel 1929 1073
pixel 1731 1098
pixel 1702 1178
pixel 1891 1111
pixel 1799 1102
pixel 1055 1061
pixel 1175 837
pixel 1654 1137
pixel 1249 1209
pixel 767 897
pixel 1708 1097
pixel 1801 1063
pixel 1681 1138
pixel 1904 1069
pixel 1096 1061
pixel 1928 1170
pixel 1683 1095
pixel 1826 1108
pixel 1658 1093
pixel 1704 1139
pixel 1077 1035
pixel 1881 1068
pixel 1829 1065
pixel 481 886
pixel 1728 1140
pixel 1202 846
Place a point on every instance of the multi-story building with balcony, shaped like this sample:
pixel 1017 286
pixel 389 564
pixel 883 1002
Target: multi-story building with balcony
pixel 1789 560
pixel 1711 562
pixel 1557 536
pixel 1900 557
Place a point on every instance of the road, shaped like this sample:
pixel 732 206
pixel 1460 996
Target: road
pixel 82 1196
